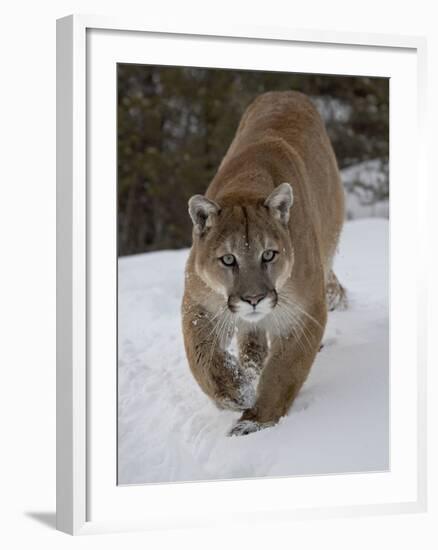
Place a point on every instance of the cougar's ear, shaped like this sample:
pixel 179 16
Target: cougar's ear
pixel 280 201
pixel 202 211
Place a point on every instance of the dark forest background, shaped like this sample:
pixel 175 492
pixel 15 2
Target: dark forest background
pixel 176 123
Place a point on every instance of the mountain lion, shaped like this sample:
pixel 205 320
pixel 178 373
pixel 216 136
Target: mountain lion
pixel 259 275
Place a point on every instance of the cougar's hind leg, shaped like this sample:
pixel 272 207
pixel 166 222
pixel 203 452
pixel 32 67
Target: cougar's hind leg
pixel 336 295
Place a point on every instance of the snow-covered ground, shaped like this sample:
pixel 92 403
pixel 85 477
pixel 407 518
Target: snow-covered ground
pixel 362 183
pixel 170 431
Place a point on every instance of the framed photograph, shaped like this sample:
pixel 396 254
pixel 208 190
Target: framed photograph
pixel 241 288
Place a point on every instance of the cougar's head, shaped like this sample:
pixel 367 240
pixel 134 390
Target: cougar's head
pixel 244 252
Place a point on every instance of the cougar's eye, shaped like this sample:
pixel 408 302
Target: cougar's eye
pixel 268 255
pixel 228 260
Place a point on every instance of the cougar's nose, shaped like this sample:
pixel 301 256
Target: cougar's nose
pixel 253 300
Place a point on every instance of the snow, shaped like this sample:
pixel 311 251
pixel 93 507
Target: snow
pixel 332 109
pixel 363 183
pixel 169 430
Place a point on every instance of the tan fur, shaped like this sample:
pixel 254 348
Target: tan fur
pixel 281 138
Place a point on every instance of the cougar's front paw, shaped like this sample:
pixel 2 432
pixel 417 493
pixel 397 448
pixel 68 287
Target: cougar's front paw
pixel 241 399
pixel 229 404
pixel 239 403
pixel 245 427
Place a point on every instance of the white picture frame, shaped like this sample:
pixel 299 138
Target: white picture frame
pixel 85 501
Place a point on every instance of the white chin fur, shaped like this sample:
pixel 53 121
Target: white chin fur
pixel 247 313
pixel 252 317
